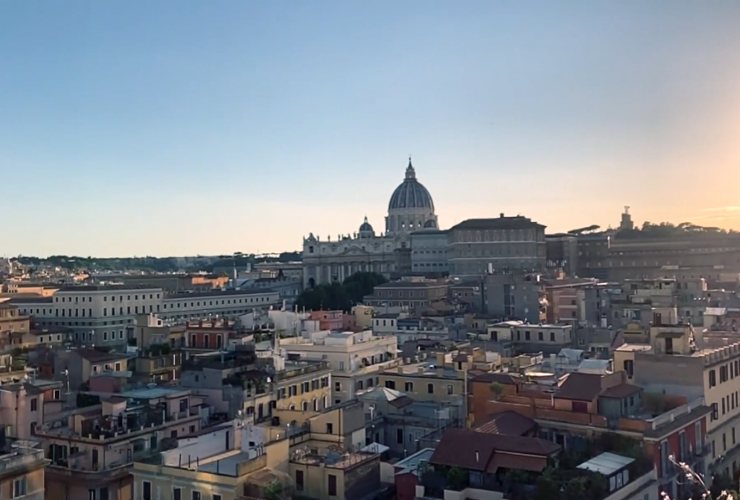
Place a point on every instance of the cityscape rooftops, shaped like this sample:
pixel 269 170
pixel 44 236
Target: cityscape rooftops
pixel 473 450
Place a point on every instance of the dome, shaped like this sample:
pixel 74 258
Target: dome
pixel 411 193
pixel 366 230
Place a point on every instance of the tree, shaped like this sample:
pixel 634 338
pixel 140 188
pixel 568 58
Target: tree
pixel 497 389
pixel 361 284
pixel 274 491
pixel 340 296
pixel 457 479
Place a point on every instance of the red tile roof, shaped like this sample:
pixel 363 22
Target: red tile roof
pixel 473 450
pixel 580 387
pixel 620 391
pixel 509 423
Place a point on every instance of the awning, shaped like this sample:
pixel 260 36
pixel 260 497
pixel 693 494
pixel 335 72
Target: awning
pixel 375 448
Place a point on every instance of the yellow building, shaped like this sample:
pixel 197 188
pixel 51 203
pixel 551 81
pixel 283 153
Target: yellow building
pixel 328 458
pixel 217 465
pixel 22 471
pixel 13 326
pixel 426 381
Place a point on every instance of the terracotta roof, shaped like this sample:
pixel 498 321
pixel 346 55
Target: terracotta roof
pixel 95 356
pixel 620 391
pixel 580 387
pixel 509 423
pixel 473 450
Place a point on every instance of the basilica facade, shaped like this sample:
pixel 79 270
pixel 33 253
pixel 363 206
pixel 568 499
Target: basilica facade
pixel 410 210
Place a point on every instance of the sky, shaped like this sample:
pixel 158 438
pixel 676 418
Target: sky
pixel 190 127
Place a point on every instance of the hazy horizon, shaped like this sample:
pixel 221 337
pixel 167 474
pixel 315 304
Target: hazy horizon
pixel 174 129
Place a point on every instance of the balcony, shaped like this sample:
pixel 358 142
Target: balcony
pixel 21 459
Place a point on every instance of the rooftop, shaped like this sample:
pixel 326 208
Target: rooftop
pixel 219 293
pixel 154 393
pixel 502 222
pixel 474 450
pixel 95 356
pixel 412 462
pixel 606 463
pixel 509 423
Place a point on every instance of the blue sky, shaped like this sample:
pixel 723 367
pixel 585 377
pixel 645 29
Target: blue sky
pixel 178 127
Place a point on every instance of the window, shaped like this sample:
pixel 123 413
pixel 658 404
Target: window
pixel 196 495
pixel 539 336
pixel 399 436
pixel 330 428
pixel 629 367
pixel 450 389
pixel 216 497
pixel 430 388
pixel 146 490
pixel 408 386
pixel 552 336
pixel 299 480
pixel 712 378
pixel 34 404
pixel 92 495
pixel 337 386
pixel 177 494
pixel 19 487
pixel 332 485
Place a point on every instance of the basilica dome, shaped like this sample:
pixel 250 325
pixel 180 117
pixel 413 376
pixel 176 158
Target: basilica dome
pixel 411 207
pixel 366 230
pixel 410 194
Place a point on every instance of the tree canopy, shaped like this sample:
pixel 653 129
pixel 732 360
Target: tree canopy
pixel 340 296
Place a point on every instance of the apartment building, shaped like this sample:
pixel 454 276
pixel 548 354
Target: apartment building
pixel 405 425
pixel 92 449
pixel 426 381
pixel 78 366
pixel 515 296
pixel 309 455
pixel 586 409
pixel 329 458
pixel 26 405
pixel 355 358
pixel 242 381
pixel 529 338
pixel 100 315
pixel 22 466
pixel 682 360
pixel 226 462
pixel 13 326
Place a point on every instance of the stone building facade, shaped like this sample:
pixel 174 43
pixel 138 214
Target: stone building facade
pixel 410 209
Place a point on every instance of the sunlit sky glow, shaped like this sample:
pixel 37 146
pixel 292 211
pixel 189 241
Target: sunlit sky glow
pixel 181 128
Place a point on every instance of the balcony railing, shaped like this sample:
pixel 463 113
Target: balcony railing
pixel 21 457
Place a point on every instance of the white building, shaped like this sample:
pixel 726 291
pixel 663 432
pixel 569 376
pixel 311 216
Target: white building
pixel 355 358
pixel 101 314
